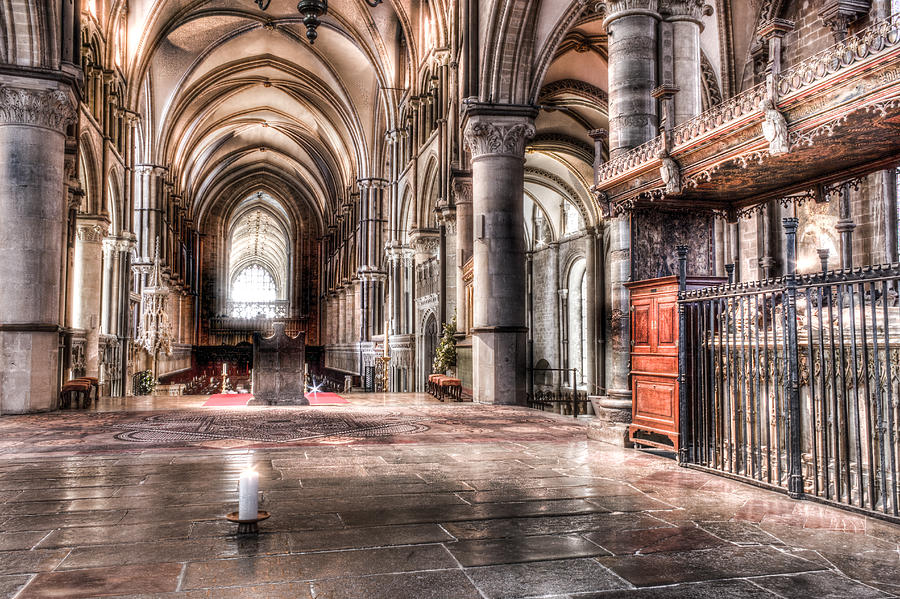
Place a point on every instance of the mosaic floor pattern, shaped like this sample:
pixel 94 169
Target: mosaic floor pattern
pixel 74 432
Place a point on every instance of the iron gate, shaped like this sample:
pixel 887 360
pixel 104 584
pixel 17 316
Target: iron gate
pixel 793 383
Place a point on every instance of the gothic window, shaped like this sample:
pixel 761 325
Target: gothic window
pixel 573 221
pixel 254 284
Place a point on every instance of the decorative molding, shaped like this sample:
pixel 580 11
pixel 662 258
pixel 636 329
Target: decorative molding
pixel 576 41
pixel 488 139
pixel 53 109
pixel 693 10
pixel 540 173
pixel 90 233
pixel 462 190
pixel 558 142
pixel 712 94
pixel 576 88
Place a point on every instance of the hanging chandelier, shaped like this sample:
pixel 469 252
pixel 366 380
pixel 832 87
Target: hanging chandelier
pixel 312 11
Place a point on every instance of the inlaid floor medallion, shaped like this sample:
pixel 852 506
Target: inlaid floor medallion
pixel 273 426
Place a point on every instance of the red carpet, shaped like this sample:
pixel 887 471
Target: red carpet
pixel 325 399
pixel 221 400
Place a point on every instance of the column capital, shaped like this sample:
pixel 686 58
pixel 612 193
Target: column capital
pixel 486 136
pixel 498 129
pixel 49 108
pixel 372 182
pixel 462 187
pixel 616 9
pixel 150 169
pixel 684 10
pixel 90 231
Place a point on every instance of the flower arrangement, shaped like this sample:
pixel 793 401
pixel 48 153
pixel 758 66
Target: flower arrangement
pixel 445 352
pixel 144 383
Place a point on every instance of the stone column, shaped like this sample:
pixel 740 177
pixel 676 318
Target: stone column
pixel 496 137
pixel 614 412
pixel 680 41
pixel 590 310
pixel 33 121
pixel 89 278
pixel 462 192
pixel 632 29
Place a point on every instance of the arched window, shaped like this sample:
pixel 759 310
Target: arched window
pixel 254 284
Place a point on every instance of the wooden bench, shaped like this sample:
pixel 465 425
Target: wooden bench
pixel 451 389
pixel 77 389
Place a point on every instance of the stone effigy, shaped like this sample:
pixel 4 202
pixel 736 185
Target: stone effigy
pixel 278 368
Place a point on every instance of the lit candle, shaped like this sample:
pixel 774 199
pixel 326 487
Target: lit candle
pixel 248 489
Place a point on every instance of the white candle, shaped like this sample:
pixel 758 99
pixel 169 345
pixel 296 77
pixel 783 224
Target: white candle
pixel 248 489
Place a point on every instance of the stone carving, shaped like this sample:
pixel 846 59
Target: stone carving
pixel 712 95
pixel 462 190
pixel 53 109
pixel 775 129
pixel 692 9
pixel 655 233
pixel 614 7
pixel 155 333
pixel 91 233
pixel 489 139
pixel 670 173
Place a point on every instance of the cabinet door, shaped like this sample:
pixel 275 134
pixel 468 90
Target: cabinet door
pixel 667 324
pixel 641 325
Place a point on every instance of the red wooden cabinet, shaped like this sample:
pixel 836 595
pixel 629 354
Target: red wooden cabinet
pixel 654 359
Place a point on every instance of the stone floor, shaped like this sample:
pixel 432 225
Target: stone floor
pixel 477 502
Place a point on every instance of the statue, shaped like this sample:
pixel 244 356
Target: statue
pixel 670 173
pixel 775 129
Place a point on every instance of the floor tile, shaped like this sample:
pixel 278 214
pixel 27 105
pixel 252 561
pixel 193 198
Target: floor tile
pixel 523 549
pixel 536 579
pixel 104 582
pixel 712 564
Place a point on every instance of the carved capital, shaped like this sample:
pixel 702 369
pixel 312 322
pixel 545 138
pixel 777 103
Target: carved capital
pixel 692 10
pixel 462 190
pixel 616 9
pixel 489 139
pixel 90 233
pixel 50 108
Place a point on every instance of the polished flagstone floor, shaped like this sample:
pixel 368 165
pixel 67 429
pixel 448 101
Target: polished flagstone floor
pixel 445 501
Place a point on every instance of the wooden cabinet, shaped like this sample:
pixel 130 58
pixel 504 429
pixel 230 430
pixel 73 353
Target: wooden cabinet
pixel 654 359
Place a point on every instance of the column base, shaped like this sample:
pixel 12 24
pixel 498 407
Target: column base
pixel 499 366
pixel 612 417
pixel 28 377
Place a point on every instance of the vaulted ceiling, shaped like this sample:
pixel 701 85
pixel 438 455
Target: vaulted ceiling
pixel 234 98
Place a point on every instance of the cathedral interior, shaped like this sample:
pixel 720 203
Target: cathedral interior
pixel 603 298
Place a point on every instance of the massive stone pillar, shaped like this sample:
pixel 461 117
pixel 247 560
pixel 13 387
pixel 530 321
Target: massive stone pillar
pixel 496 137
pixel 632 29
pixel 632 26
pixel 89 278
pixel 33 120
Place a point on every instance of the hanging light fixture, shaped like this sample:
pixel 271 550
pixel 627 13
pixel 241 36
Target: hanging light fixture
pixel 312 11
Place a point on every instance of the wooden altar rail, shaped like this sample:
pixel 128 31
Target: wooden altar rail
pixel 794 383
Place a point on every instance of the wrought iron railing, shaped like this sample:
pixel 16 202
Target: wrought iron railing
pixel 567 402
pixel 794 383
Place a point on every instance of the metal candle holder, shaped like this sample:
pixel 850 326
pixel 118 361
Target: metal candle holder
pixel 248 527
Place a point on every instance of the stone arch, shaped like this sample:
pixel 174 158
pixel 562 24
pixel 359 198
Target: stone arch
pixel 508 50
pixel 89 175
